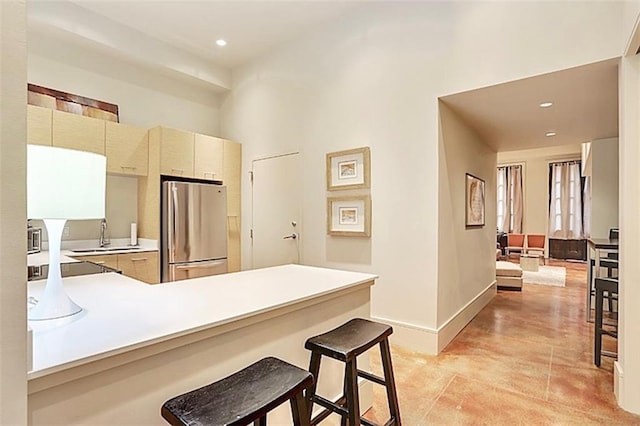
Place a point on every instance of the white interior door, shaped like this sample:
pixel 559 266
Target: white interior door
pixel 277 201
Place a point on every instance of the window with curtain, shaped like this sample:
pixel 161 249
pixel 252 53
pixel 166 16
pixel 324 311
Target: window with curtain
pixel 509 198
pixel 502 196
pixel 565 201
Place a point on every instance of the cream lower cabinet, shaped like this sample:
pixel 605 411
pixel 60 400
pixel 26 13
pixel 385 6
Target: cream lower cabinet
pixel 142 266
pixel 127 149
pixel 109 260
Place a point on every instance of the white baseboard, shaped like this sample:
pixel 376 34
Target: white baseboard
pixel 414 337
pixel 454 325
pixel 432 341
pixel 617 380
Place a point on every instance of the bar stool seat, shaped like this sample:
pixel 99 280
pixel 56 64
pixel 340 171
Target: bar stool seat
pixel 243 397
pixel 345 343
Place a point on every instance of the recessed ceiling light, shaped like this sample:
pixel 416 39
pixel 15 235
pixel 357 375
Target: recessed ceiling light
pixel 546 104
pixel 221 42
pixel 550 134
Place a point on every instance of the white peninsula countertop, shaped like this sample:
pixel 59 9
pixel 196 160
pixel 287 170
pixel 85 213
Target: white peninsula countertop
pixel 120 313
pixel 136 345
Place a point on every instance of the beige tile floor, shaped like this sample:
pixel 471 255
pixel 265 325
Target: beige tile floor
pixel 525 359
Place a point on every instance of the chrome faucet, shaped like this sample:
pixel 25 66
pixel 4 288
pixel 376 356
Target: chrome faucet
pixel 103 230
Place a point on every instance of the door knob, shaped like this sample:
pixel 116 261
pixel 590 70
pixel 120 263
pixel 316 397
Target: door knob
pixel 292 236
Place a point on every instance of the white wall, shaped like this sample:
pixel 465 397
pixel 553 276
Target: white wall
pixel 121 210
pixel 604 186
pixel 145 98
pixel 13 289
pixel 535 180
pixel 627 367
pixel 374 79
pixel 466 255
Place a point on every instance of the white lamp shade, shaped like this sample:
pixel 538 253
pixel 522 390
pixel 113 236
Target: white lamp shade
pixel 65 183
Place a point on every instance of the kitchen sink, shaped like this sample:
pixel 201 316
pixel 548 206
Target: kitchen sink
pixel 104 249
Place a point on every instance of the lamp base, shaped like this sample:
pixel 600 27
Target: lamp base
pixel 54 302
pixel 48 309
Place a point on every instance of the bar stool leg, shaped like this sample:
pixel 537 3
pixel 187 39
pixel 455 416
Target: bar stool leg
pixel 314 369
pixel 590 287
pixel 344 421
pixel 353 403
pixel 299 411
pixel 597 350
pixel 392 397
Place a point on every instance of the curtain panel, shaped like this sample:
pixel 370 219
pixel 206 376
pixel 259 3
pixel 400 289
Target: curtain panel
pixel 565 201
pixel 510 200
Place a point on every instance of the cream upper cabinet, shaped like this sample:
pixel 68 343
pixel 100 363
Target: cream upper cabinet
pixel 208 160
pixel 127 149
pixel 176 152
pixel 39 125
pixel 78 132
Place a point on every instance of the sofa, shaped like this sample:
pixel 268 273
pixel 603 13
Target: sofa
pixel 508 276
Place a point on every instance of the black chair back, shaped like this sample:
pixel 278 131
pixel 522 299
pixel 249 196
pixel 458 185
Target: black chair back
pixel 614 233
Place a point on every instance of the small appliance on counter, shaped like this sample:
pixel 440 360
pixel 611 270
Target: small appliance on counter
pixel 72 269
pixel 194 230
pixel 34 240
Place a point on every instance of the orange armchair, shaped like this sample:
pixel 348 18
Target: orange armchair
pixel 536 244
pixel 515 242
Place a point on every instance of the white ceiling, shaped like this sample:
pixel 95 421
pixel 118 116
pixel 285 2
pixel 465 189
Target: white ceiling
pixel 179 37
pixel 251 28
pixel 508 116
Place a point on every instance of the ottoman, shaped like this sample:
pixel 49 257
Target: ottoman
pixel 508 276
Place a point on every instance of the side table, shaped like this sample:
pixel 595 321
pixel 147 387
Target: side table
pixel 529 262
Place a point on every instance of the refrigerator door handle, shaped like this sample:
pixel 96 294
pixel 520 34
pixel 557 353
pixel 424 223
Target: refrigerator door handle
pixel 201 265
pixel 172 220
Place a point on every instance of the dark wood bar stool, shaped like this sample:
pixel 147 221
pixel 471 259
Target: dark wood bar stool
pixel 244 397
pixel 344 344
pixel 610 286
pixel 612 265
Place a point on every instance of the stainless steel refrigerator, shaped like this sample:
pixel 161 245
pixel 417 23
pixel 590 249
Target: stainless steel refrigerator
pixel 194 230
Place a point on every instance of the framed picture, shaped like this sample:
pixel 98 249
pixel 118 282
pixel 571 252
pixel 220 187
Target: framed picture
pixel 474 201
pixel 349 216
pixel 348 169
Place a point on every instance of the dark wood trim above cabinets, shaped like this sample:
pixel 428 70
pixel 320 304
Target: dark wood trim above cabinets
pixel 68 102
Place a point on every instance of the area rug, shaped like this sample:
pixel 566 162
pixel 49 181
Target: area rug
pixel 546 275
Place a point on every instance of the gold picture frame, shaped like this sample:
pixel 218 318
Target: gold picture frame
pixel 350 169
pixel 349 216
pixel 474 201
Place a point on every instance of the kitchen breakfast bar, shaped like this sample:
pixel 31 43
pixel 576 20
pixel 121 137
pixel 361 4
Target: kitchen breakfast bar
pixel 136 345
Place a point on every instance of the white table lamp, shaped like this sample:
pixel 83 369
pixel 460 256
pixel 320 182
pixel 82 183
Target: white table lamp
pixel 62 184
